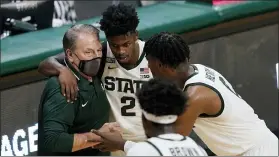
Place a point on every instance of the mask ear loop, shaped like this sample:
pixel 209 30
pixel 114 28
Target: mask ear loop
pixel 81 63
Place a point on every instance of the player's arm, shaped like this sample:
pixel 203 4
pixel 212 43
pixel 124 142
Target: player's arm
pixel 54 66
pixel 112 141
pixel 58 118
pixel 202 100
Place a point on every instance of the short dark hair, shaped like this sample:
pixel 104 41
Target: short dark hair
pixel 119 20
pixel 161 97
pixel 170 49
pixel 70 37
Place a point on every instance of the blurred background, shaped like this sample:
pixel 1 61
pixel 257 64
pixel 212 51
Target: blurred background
pixel 40 12
pixel 238 38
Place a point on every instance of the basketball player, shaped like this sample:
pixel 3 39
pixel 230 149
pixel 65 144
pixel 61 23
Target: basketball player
pixel 219 116
pixel 160 112
pixel 124 71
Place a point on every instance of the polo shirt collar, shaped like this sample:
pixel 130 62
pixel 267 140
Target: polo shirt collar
pixel 75 72
pixel 83 82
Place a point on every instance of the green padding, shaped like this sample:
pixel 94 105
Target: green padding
pixel 248 8
pixel 24 52
pixel 175 17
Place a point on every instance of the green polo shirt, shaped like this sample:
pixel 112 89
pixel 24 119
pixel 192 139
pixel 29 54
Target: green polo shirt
pixel 60 120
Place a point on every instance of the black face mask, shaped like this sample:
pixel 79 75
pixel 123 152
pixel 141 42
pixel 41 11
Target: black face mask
pixel 89 67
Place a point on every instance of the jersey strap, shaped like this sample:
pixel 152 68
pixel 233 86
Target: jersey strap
pixel 183 138
pixel 103 61
pixel 154 147
pixel 140 58
pixel 203 115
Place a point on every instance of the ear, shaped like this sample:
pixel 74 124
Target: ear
pixel 162 65
pixel 69 55
pixel 162 68
pixel 165 68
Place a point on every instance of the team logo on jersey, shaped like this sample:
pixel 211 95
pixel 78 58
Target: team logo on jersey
pixel 110 60
pixel 144 73
pixel 209 74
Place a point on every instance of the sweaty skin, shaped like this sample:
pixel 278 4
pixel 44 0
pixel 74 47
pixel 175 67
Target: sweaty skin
pixel 54 66
pixel 201 100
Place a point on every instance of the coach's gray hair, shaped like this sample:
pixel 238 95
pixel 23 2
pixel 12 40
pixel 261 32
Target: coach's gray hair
pixel 70 37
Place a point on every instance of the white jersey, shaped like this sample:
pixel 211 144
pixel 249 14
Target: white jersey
pixel 121 86
pixel 236 128
pixel 167 145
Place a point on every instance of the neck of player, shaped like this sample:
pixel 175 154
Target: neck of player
pixel 184 76
pixel 161 129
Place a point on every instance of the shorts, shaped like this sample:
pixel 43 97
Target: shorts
pixel 269 147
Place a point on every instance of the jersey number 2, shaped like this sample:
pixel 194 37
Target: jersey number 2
pixel 130 103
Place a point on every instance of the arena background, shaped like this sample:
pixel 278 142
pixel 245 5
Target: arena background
pixel 246 57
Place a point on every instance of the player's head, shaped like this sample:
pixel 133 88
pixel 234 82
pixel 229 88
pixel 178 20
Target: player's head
pixel 161 102
pixel 83 48
pixel 167 54
pixel 119 22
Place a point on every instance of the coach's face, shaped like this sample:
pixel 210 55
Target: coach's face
pixel 123 47
pixel 86 47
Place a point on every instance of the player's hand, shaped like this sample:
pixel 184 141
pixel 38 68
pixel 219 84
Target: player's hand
pixel 113 126
pixel 111 141
pixel 89 137
pixel 68 84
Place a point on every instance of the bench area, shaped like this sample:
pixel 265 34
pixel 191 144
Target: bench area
pixel 24 52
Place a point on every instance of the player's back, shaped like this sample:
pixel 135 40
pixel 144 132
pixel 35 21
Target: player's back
pixel 167 145
pixel 121 86
pixel 236 128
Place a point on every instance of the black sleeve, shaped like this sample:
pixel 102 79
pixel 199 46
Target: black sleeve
pixel 103 61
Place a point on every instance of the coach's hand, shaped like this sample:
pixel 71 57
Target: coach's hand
pixel 111 141
pixel 108 127
pixel 68 84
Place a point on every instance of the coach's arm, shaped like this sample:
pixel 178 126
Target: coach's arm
pixel 57 118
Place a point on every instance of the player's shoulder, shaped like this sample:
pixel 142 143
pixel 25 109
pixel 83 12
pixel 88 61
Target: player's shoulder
pixel 141 145
pixel 202 76
pixel 141 42
pixel 190 140
pixel 142 149
pixel 202 67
